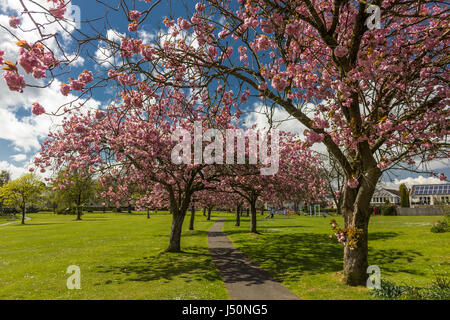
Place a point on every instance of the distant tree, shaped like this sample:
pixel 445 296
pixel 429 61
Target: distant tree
pixel 404 196
pixel 5 177
pixel 23 192
pixel 74 189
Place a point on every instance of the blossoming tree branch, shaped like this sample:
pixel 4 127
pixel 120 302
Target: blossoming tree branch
pixel 377 98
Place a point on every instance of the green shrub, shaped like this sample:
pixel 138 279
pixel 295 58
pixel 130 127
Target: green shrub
pixel 388 290
pixel 388 209
pixel 440 227
pixel 438 290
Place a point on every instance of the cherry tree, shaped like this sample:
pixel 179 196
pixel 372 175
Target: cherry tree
pixel 375 94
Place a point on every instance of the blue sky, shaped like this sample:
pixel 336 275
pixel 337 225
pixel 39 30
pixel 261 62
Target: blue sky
pixel 21 133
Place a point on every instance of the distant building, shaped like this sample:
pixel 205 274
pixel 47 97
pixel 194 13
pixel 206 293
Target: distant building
pixel 382 195
pixel 429 194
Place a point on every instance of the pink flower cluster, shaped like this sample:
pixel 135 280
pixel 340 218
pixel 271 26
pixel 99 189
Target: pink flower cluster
pixel 77 84
pixel 14 22
pixel 353 182
pixel 37 109
pixel 14 81
pixel 134 16
pixel 60 9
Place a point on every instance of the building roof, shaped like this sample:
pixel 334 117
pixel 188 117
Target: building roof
pixel 430 189
pixel 382 192
pixel 396 192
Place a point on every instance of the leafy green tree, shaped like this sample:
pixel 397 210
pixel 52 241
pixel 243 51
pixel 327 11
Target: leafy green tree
pixel 23 192
pixel 74 189
pixel 404 196
pixel 5 177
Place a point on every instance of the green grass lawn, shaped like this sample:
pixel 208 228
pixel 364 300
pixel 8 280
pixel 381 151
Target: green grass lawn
pixel 298 252
pixel 120 257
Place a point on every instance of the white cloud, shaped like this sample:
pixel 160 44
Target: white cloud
pixel 281 120
pixel 19 157
pixel 25 132
pixel 15 171
pixel 411 181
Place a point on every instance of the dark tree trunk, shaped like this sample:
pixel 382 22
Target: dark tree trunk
pixel 79 211
pixel 204 211
pixel 355 207
pixel 248 211
pixel 191 222
pixel 262 211
pixel 129 209
pixel 148 213
pixel 238 216
pixel 175 232
pixel 23 215
pixel 209 214
pixel 253 217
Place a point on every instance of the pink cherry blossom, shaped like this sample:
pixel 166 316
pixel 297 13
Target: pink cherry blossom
pixel 37 109
pixel 14 22
pixel 14 81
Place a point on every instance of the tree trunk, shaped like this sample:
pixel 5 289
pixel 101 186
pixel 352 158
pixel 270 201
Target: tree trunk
pixel 253 217
pixel 175 232
pixel 191 223
pixel 248 211
pixel 23 215
pixel 209 214
pixel 79 212
pixel 148 213
pixel 238 216
pixel 204 211
pixel 355 207
pixel 129 209
pixel 262 211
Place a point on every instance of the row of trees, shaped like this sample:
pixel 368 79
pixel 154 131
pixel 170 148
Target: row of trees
pixel 377 98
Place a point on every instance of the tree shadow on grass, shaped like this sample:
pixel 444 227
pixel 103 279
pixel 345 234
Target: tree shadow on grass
pixel 394 260
pixel 194 264
pixel 373 236
pixel 288 256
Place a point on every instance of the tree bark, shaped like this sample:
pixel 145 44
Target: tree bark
pixel 253 217
pixel 23 215
pixel 191 222
pixel 209 214
pixel 248 211
pixel 238 216
pixel 204 211
pixel 79 212
pixel 148 213
pixel 175 232
pixel 356 210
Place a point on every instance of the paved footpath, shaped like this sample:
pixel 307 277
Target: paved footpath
pixel 20 220
pixel 243 279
